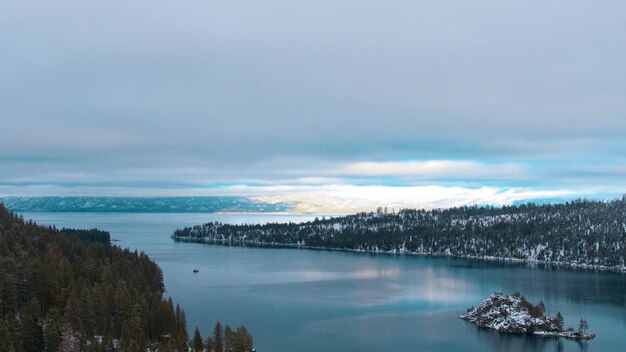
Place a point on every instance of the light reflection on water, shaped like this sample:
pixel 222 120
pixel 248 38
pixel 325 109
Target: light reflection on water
pixel 335 301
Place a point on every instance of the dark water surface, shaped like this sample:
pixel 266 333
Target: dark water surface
pixel 304 300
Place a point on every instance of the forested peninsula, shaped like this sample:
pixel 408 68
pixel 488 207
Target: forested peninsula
pixel 71 290
pixel 579 233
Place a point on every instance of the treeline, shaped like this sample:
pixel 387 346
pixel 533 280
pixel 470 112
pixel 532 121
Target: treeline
pixel 224 339
pixel 580 232
pixel 71 290
pixel 92 235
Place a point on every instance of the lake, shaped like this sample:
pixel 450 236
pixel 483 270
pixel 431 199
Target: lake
pixel 306 300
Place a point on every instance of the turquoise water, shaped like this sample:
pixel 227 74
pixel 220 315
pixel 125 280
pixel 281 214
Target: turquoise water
pixel 304 300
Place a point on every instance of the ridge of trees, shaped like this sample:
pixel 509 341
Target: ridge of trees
pixel 91 235
pixel 580 232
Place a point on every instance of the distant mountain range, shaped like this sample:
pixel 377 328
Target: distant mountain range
pixel 144 205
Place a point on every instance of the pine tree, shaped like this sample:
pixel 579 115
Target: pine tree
pixel 121 307
pixel 32 332
pixel 86 311
pixel 8 288
pixel 133 337
pixel 52 331
pixel 583 326
pixel 197 343
pixel 229 339
pixel 99 311
pixel 5 336
pixel 244 342
pixel 217 338
pixel 210 344
pixel 182 336
pixel 560 322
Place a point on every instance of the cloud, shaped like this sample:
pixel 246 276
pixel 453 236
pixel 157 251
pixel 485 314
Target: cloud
pixel 234 82
pixel 160 97
pixel 433 169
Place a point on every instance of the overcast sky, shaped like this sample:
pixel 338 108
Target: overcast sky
pixel 376 100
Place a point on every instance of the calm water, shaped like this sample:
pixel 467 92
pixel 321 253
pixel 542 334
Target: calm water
pixel 302 300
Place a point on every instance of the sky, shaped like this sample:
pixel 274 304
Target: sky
pixel 341 105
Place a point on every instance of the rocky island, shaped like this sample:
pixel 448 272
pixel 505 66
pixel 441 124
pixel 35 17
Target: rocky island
pixel 514 314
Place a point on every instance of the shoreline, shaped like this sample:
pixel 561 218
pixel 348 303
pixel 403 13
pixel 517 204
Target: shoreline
pixel 244 243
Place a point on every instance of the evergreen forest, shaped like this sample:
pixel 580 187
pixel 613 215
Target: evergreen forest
pixel 579 233
pixel 71 290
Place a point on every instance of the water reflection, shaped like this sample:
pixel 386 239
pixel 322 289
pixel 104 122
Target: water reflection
pixel 508 342
pixel 377 273
pixel 554 282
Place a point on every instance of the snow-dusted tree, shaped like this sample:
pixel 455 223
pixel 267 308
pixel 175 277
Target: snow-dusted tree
pixel 583 326
pixel 210 344
pixel 541 306
pixel 559 320
pixel 69 342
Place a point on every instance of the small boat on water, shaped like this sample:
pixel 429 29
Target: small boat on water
pixel 195 271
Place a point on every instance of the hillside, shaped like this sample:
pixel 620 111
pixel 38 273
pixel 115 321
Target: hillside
pixel 578 233
pixel 71 290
